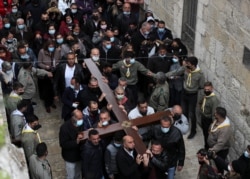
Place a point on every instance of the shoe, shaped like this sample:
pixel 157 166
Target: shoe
pixel 191 135
pixel 48 109
pixel 53 106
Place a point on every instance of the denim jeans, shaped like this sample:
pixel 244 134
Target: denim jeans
pixel 171 172
pixel 73 170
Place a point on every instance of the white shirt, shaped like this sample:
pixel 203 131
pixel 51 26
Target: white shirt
pixel 135 113
pixel 69 73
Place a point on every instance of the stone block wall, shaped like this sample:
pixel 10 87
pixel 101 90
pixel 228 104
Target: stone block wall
pixel 12 160
pixel 222 31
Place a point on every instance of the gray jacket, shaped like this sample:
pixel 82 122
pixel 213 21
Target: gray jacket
pixel 39 169
pixel 26 77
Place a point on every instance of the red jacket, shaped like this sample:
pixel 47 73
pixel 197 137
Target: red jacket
pixel 4 10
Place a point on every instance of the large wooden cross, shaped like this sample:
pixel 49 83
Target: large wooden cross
pixel 124 123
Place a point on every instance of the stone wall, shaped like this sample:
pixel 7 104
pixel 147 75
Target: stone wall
pixel 12 160
pixel 222 31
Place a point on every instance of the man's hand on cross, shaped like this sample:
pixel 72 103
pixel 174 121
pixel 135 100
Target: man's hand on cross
pixel 139 159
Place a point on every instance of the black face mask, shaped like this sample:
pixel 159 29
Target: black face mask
pixel 189 67
pixel 95 18
pixel 94 113
pixel 130 150
pixel 78 51
pixel 143 113
pixel 94 90
pixel 36 127
pixel 108 74
pixel 176 117
pixel 21 93
pixel 207 93
pixel 157 155
pixel 201 162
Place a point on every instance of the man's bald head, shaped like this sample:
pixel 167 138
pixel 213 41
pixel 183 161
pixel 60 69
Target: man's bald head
pixel 177 109
pixel 128 142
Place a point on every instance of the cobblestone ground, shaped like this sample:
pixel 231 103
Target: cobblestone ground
pixel 50 132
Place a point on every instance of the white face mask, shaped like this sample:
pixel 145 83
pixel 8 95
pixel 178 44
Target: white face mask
pixel 9 72
pixel 119 97
pixel 95 58
pixel 105 123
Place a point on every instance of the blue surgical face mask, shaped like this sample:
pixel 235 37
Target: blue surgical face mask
pixel 175 60
pixel 95 58
pixel 51 49
pixel 20 26
pixel 52 32
pixel 7 25
pixel 79 122
pixel 161 29
pixel 60 41
pixel 108 46
pixel 146 33
pixel 74 11
pixel 132 60
pixel 165 129
pixel 246 154
pixel 117 145
pixel 14 10
pixel 162 56
pixel 112 39
pixel 25 56
pixel 126 13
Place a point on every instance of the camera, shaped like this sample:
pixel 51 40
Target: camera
pixel 210 154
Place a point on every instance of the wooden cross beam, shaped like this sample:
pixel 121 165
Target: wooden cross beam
pixel 124 123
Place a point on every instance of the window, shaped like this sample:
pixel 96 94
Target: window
pixel 189 23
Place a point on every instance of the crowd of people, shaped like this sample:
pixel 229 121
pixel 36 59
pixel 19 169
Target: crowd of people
pixel 146 68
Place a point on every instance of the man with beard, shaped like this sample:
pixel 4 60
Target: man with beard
pixel 92 156
pixel 64 74
pixel 91 93
pixel 91 113
pixel 142 109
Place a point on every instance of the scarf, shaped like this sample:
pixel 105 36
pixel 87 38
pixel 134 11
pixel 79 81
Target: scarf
pixel 225 123
pixel 204 101
pixel 127 66
pixel 189 79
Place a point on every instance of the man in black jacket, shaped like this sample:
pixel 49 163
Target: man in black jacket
pixel 172 141
pixel 92 156
pixel 70 140
pixel 91 93
pixel 129 162
pixel 69 98
pixel 158 161
pixel 65 72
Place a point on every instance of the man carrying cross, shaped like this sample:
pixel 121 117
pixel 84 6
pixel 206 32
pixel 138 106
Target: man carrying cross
pixel 172 141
